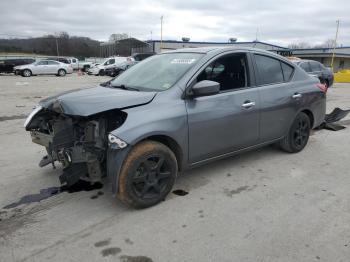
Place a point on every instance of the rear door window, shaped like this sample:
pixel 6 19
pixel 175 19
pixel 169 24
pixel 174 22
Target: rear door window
pixel 270 70
pixel 305 66
pixel 287 71
pixel 52 63
pixel 315 66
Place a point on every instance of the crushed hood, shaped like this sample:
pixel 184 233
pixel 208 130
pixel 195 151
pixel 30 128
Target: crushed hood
pixel 86 102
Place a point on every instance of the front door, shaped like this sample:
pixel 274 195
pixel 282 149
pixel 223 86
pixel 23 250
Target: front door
pixel 40 68
pixel 227 121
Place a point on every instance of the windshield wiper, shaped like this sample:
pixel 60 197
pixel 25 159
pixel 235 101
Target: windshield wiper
pixel 125 87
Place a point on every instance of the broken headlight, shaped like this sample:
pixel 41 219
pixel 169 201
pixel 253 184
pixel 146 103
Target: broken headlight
pixel 112 139
pixel 32 114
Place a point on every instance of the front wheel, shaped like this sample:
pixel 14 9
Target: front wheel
pixel 26 73
pixel 298 134
pixel 101 72
pixel 147 175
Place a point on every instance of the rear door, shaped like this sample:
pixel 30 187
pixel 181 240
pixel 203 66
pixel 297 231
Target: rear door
pixel 53 67
pixel 277 96
pixel 227 121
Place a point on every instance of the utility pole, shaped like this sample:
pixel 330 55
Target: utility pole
pixel 57 48
pixel 335 45
pixel 161 33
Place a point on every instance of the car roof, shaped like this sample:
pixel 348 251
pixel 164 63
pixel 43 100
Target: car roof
pixel 209 49
pixel 215 50
pixel 306 60
pixel 50 60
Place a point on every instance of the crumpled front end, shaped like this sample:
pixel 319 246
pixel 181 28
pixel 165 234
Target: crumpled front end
pixel 80 144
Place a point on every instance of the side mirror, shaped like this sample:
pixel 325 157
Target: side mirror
pixel 206 88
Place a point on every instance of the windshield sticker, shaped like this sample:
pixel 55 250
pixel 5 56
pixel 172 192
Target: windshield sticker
pixel 183 61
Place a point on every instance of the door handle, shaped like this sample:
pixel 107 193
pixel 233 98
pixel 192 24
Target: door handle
pixel 296 95
pixel 248 104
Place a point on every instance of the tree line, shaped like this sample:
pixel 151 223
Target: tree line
pixel 61 44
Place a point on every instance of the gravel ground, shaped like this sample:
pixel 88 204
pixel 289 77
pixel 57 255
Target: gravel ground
pixel 264 205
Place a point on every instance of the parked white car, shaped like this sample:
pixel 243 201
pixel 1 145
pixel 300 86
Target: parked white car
pixel 117 61
pixel 44 67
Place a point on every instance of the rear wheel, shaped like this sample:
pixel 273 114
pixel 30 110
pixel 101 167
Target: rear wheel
pixel 26 73
pixel 147 175
pixel 61 72
pixel 298 134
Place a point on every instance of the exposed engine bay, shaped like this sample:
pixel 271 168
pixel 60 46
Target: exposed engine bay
pixel 78 143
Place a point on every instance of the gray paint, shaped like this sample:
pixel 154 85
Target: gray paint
pixel 86 102
pixel 215 126
pixel 204 128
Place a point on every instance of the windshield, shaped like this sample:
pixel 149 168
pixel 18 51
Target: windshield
pixel 159 72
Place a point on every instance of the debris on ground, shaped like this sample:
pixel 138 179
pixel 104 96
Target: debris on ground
pixel 336 115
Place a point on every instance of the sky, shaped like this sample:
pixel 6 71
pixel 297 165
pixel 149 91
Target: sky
pixel 279 22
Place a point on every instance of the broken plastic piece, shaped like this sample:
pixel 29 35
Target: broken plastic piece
pixel 336 115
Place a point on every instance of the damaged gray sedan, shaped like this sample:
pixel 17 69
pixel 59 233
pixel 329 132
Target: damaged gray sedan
pixel 175 111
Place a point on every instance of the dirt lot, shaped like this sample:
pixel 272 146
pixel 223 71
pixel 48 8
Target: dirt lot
pixel 264 205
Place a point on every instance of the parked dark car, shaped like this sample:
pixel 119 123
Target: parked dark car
pixel 113 71
pixel 317 69
pixel 141 56
pixel 7 65
pixel 175 111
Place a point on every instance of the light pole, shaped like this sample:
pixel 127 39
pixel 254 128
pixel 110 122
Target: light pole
pixel 335 45
pixel 57 48
pixel 161 33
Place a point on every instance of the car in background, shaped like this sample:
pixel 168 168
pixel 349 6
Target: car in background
pixel 119 62
pixel 44 67
pixel 175 111
pixel 62 60
pixel 7 65
pixel 76 64
pixel 141 56
pixel 316 69
pixel 115 70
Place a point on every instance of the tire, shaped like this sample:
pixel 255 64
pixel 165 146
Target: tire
pixel 147 175
pixel 101 72
pixel 61 72
pixel 298 134
pixel 26 73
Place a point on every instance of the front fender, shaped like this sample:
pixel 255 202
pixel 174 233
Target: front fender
pixel 115 159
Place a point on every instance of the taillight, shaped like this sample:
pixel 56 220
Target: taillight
pixel 322 87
